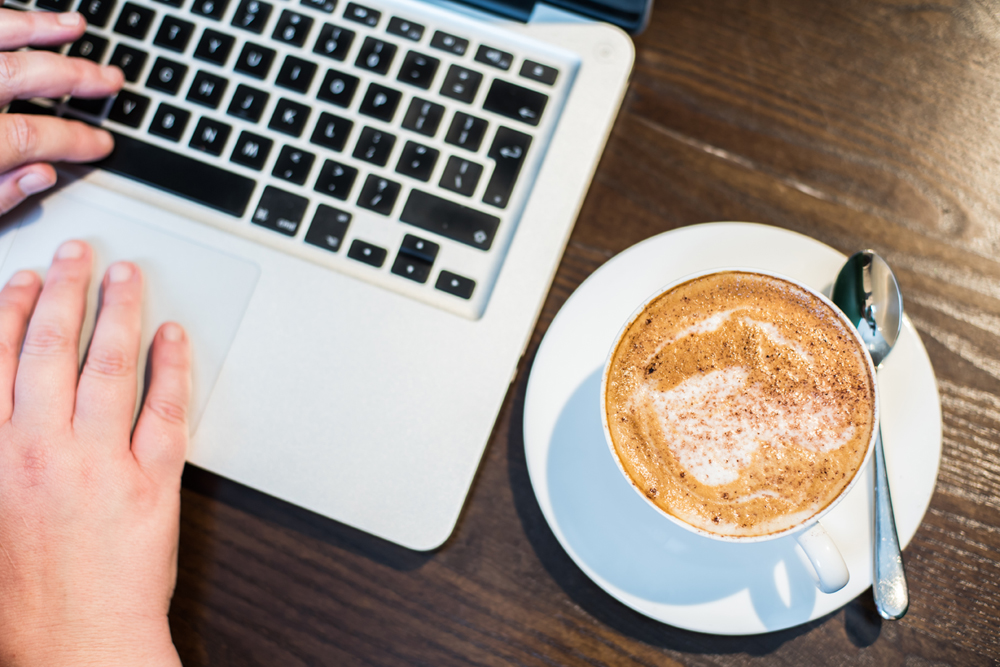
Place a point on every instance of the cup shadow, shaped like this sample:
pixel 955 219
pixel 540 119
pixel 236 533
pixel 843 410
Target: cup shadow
pixel 643 559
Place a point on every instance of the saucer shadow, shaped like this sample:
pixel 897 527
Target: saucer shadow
pixel 642 558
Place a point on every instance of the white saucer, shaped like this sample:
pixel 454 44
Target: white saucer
pixel 622 544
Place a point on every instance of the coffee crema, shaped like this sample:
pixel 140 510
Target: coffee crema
pixel 740 403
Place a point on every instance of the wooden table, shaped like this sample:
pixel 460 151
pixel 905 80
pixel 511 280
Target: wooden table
pixel 862 124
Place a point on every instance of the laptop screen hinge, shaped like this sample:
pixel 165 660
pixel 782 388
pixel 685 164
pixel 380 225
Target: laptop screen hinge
pixel 518 10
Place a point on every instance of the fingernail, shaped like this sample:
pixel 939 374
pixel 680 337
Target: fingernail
pixel 69 18
pixel 119 273
pixel 33 182
pixel 172 333
pixel 22 279
pixel 70 250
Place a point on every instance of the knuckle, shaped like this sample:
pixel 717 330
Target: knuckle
pixel 10 72
pixel 22 136
pixel 46 340
pixel 109 362
pixel 167 409
pixel 31 467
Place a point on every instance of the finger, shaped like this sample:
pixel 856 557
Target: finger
pixel 19 29
pixel 27 74
pixel 105 396
pixel 159 443
pixel 18 185
pixel 29 139
pixel 17 299
pixel 45 388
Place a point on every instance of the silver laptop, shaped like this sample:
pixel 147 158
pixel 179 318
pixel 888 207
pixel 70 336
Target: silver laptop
pixel 354 208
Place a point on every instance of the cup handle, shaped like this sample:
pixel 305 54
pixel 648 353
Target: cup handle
pixel 825 558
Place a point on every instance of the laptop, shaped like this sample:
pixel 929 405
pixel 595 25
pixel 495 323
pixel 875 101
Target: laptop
pixel 355 208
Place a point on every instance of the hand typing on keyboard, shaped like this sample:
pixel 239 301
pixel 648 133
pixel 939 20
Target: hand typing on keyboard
pixel 29 143
pixel 89 507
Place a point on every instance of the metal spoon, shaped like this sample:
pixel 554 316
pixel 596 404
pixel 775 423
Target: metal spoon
pixel 867 292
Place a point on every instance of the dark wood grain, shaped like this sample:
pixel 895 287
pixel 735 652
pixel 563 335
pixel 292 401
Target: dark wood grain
pixel 862 124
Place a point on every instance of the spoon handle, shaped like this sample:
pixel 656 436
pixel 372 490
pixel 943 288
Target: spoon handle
pixel 891 596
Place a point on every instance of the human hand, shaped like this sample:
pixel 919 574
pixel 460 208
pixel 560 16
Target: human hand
pixel 89 508
pixel 29 143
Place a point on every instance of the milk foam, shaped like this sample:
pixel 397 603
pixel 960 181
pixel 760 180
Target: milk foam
pixel 714 423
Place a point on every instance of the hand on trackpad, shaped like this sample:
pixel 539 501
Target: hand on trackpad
pixel 203 289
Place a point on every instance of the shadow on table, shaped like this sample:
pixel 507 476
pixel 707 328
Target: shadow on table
pixel 646 558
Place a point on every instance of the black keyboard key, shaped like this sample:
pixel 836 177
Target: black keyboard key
pixel 210 136
pixel 454 221
pixel 375 55
pixel 379 195
pixel 333 42
pixel 255 60
pixel 494 57
pixel 252 15
pixel 364 15
pixel 461 176
pixel 289 117
pixel 539 72
pixel 336 179
pixel 174 34
pixel 328 227
pixel 449 43
pixel 461 84
pixel 213 9
pixel 248 103
pixel 293 165
pixel 207 89
pixel 411 267
pixel 166 76
pixel 418 70
pixel 129 60
pixel 30 108
pixel 279 210
pixel 509 149
pixel 414 246
pixel 338 88
pixel 129 108
pixel 423 116
pixel 513 101
pixel 92 107
pixel 54 5
pixel 367 253
pixel 251 150
pixel 374 146
pixel 380 102
pixel 169 122
pixel 456 285
pixel 90 47
pixel 292 28
pixel 403 28
pixel 97 12
pixel 296 74
pixel 322 5
pixel 214 47
pixel 417 161
pixel 134 21
pixel 466 131
pixel 179 174
pixel 331 131
pixel 172 3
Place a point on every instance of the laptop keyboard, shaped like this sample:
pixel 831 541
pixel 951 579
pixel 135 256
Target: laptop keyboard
pixel 393 142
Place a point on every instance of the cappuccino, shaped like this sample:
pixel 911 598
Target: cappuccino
pixel 740 403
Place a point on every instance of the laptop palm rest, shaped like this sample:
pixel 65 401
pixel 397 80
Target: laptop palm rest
pixel 204 289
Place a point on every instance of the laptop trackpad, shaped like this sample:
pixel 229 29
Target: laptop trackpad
pixel 204 289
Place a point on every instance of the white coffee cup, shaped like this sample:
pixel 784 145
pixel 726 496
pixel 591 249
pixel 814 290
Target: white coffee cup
pixel 831 570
